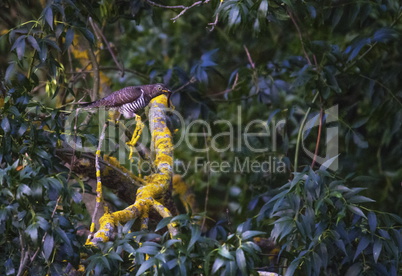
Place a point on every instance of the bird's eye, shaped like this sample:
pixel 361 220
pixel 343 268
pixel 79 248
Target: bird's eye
pixel 159 88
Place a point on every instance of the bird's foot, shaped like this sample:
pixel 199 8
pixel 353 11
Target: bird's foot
pixel 136 135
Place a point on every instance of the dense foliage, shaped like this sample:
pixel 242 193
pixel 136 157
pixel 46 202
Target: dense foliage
pixel 232 62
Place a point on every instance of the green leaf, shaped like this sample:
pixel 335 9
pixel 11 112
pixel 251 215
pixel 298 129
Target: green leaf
pixel 88 35
pixel 224 252
pixel 384 35
pixel 312 11
pixel 20 48
pixel 356 210
pixel 52 44
pixel 337 16
pixel 63 236
pixel 10 72
pixel 360 122
pixel 372 221
pixel 195 235
pixel 163 223
pixel 148 249
pixel 59 30
pixel 128 248
pixel 250 234
pixel 377 247
pixel 54 182
pixel 145 266
pixel 43 52
pixel 354 270
pixel 384 234
pixel 360 199
pixel 68 39
pixel 23 128
pixel 48 246
pixel 363 243
pixel 114 256
pixel 49 16
pixel 355 49
pixel 234 15
pixel 5 125
pixel 10 270
pixel 217 265
pixel 24 190
pixel 32 232
pixel 241 261
pixel 359 140
pixel 128 225
pixel 263 9
pixel 33 42
pixel 327 164
pixel 292 267
pixel 105 262
pixel 169 243
pixel 180 217
pixel 341 245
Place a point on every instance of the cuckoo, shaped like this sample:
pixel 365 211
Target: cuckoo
pixel 128 101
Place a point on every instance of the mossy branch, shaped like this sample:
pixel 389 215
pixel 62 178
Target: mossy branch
pixel 156 184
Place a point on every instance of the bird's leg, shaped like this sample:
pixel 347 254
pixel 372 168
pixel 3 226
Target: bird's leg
pixel 139 126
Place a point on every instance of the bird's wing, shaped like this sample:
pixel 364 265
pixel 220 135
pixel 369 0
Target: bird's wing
pixel 118 98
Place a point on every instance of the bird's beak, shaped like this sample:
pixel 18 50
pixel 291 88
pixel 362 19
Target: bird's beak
pixel 169 95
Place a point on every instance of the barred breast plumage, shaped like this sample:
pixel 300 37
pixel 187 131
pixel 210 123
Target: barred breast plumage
pixel 129 100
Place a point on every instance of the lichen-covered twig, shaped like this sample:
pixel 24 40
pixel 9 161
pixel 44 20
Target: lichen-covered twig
pixel 156 184
pixel 99 193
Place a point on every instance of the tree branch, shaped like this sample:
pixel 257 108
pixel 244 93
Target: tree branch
pixel 184 8
pixel 98 32
pixel 156 184
pixel 317 145
pixel 300 37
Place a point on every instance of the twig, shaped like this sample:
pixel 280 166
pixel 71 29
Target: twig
pixel 99 194
pixel 208 184
pixel 187 8
pixel 184 8
pixel 142 75
pixel 229 89
pixel 192 80
pixel 300 37
pixel 167 7
pixel 383 86
pixel 299 135
pixel 98 31
pixel 318 139
pixel 95 66
pixel 38 87
pixel 213 24
pixel 250 60
pixel 350 65
pixel 156 184
pixel 44 235
pixel 24 254
pixel 255 73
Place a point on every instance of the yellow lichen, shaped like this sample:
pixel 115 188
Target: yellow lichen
pixel 185 194
pixel 155 185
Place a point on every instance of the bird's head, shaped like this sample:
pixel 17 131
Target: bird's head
pixel 160 89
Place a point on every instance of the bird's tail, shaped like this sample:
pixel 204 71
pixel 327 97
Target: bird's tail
pixel 94 104
pixel 86 105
